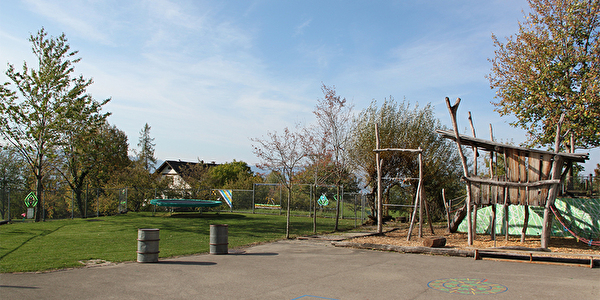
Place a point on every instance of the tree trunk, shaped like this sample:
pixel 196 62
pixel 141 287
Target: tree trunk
pixel 556 173
pixel 337 206
pixel 287 218
pixel 525 223
pixel 435 242
pixel 315 210
pixel 459 216
pixel 39 189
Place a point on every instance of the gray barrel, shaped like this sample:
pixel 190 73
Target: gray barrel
pixel 218 239
pixel 148 245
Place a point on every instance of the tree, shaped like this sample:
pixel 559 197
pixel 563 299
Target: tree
pixel 38 122
pixel 113 146
pixel 401 126
pixel 282 154
pixel 146 154
pixel 233 175
pixel 552 66
pixel 334 116
pixel 13 175
pixel 93 149
pixel 196 175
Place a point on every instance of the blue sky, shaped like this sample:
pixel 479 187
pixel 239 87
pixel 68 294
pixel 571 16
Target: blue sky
pixel 209 75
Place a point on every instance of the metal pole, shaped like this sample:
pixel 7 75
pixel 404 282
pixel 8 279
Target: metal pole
pixel 87 191
pixel 8 196
pixel 362 208
pixel 342 203
pixel 97 203
pixel 253 189
pixel 355 214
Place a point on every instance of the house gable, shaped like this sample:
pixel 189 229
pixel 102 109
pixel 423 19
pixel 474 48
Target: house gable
pixel 176 168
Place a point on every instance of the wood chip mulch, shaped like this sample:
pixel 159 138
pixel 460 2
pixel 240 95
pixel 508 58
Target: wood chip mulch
pixel 398 237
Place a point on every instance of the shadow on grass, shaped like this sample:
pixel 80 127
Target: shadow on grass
pixel 205 216
pixel 43 233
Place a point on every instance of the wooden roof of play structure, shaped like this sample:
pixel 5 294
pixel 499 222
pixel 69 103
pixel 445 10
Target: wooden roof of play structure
pixel 533 177
pixel 499 147
pixel 528 178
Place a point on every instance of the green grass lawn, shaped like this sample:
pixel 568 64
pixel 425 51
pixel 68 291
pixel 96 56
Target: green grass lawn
pixel 27 246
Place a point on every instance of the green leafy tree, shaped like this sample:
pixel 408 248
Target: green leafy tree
pixel 401 126
pixel 552 66
pixel 13 176
pixel 233 175
pixel 146 154
pixel 196 176
pixel 113 148
pixel 36 117
pixel 93 149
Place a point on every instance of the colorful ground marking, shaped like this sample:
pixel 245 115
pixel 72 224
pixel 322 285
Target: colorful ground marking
pixel 467 286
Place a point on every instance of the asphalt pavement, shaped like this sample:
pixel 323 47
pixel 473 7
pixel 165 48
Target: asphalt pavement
pixel 309 269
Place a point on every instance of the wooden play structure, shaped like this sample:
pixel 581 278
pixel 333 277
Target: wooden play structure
pixel 419 201
pixel 533 177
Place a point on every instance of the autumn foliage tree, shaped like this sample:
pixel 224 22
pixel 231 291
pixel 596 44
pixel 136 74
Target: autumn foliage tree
pixel 334 120
pixel 283 154
pixel 552 66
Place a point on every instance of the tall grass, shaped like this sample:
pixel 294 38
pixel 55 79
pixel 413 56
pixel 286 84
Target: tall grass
pixel 26 246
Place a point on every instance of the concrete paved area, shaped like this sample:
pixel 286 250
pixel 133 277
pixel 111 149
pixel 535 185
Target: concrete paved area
pixel 304 269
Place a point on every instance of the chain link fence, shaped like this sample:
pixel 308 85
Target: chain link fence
pixel 306 200
pixel 586 185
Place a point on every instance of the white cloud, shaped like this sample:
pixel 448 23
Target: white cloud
pixel 300 28
pixel 78 16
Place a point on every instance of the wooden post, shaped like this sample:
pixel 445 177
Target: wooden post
pixel 525 223
pixel 448 207
pixel 453 109
pixel 475 155
pixel 506 198
pixel 378 164
pixel 493 227
pixel 428 215
pixel 556 172
pixel 506 213
pixel 420 196
pixel 412 219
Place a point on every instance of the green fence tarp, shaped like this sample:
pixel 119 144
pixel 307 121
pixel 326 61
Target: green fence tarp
pixel 580 215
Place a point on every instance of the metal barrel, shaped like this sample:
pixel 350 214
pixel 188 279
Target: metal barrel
pixel 218 239
pixel 147 250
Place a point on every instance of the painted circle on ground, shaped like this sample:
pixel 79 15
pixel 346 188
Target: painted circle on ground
pixel 467 286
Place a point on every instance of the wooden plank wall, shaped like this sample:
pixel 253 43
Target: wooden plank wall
pixel 520 167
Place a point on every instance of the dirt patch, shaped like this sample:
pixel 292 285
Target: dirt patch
pixel 398 237
pixel 95 262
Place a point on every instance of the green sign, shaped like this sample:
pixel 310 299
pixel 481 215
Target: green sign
pixel 323 201
pixel 31 200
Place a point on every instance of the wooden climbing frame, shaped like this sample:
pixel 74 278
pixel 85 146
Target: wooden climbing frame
pixel 533 177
